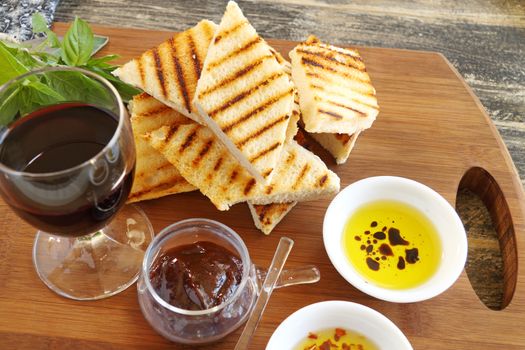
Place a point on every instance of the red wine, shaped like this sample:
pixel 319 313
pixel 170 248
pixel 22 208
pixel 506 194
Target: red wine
pixel 74 185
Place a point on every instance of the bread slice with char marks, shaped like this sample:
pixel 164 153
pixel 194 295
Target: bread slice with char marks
pixel 266 217
pixel 335 91
pixel 244 95
pixel 155 176
pixel 206 163
pixel 339 145
pixel 170 71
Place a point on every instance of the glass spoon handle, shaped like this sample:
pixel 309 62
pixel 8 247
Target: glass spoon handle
pixel 290 277
pixel 279 259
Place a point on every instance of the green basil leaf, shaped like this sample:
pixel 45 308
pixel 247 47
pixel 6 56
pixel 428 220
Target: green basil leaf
pixel 75 86
pixel 9 102
pixel 126 91
pixel 52 38
pixel 47 58
pixel 36 95
pixel 28 60
pixel 99 61
pixel 78 44
pixel 10 66
pixel 43 93
pixel 39 24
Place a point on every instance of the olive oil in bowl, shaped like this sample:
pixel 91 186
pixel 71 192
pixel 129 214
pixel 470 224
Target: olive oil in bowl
pixel 392 244
pixel 336 339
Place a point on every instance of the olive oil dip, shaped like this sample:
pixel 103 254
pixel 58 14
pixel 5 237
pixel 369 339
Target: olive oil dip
pixel 336 339
pixel 392 244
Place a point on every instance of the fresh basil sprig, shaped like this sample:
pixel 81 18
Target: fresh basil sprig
pixel 55 87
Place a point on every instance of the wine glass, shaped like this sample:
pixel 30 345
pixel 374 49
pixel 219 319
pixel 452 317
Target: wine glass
pixel 66 168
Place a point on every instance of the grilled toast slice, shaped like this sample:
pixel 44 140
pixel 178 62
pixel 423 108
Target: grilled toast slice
pixel 335 91
pixel 244 95
pixel 154 176
pixel 266 217
pixel 206 163
pixel 339 145
pixel 293 124
pixel 170 71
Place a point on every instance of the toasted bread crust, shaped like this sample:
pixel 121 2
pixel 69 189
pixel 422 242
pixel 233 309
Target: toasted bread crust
pixel 205 162
pixel 170 71
pixel 244 94
pixel 154 176
pixel 335 91
pixel 266 217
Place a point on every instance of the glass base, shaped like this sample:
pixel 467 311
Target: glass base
pixel 97 265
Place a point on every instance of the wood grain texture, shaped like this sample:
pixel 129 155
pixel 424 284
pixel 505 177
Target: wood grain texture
pixel 484 40
pixel 443 144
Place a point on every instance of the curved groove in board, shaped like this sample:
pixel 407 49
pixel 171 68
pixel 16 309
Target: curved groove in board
pixel 482 183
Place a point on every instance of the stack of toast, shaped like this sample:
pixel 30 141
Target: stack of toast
pixel 220 113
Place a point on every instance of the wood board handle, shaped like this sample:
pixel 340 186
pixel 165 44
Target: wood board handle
pixel 483 184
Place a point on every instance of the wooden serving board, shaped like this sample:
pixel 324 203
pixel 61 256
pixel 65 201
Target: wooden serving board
pixel 431 128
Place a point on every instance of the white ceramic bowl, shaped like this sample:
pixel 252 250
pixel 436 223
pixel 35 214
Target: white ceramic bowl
pixel 338 314
pixel 429 202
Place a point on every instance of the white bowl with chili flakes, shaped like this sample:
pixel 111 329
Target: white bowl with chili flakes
pixel 342 315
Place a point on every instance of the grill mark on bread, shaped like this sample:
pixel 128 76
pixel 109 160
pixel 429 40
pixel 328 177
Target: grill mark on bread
pixel 194 55
pixel 140 67
pixel 153 112
pixel 261 211
pixel 167 184
pixel 218 163
pixel 291 158
pixel 330 58
pixel 239 97
pixel 335 71
pixel 262 130
pixel 265 151
pixel 301 175
pixel 209 32
pixel 278 57
pixel 235 75
pixel 234 53
pixel 361 113
pixel 147 172
pixel 160 71
pixel 188 141
pixel 169 134
pixel 331 114
pixel 204 150
pixel 310 62
pixel 267 172
pixel 269 189
pixel 344 53
pixel 261 107
pixel 249 186
pixel 234 174
pixel 180 75
pixel 228 32
pixel 319 87
pixel 142 96
pixel 322 180
pixel 164 166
